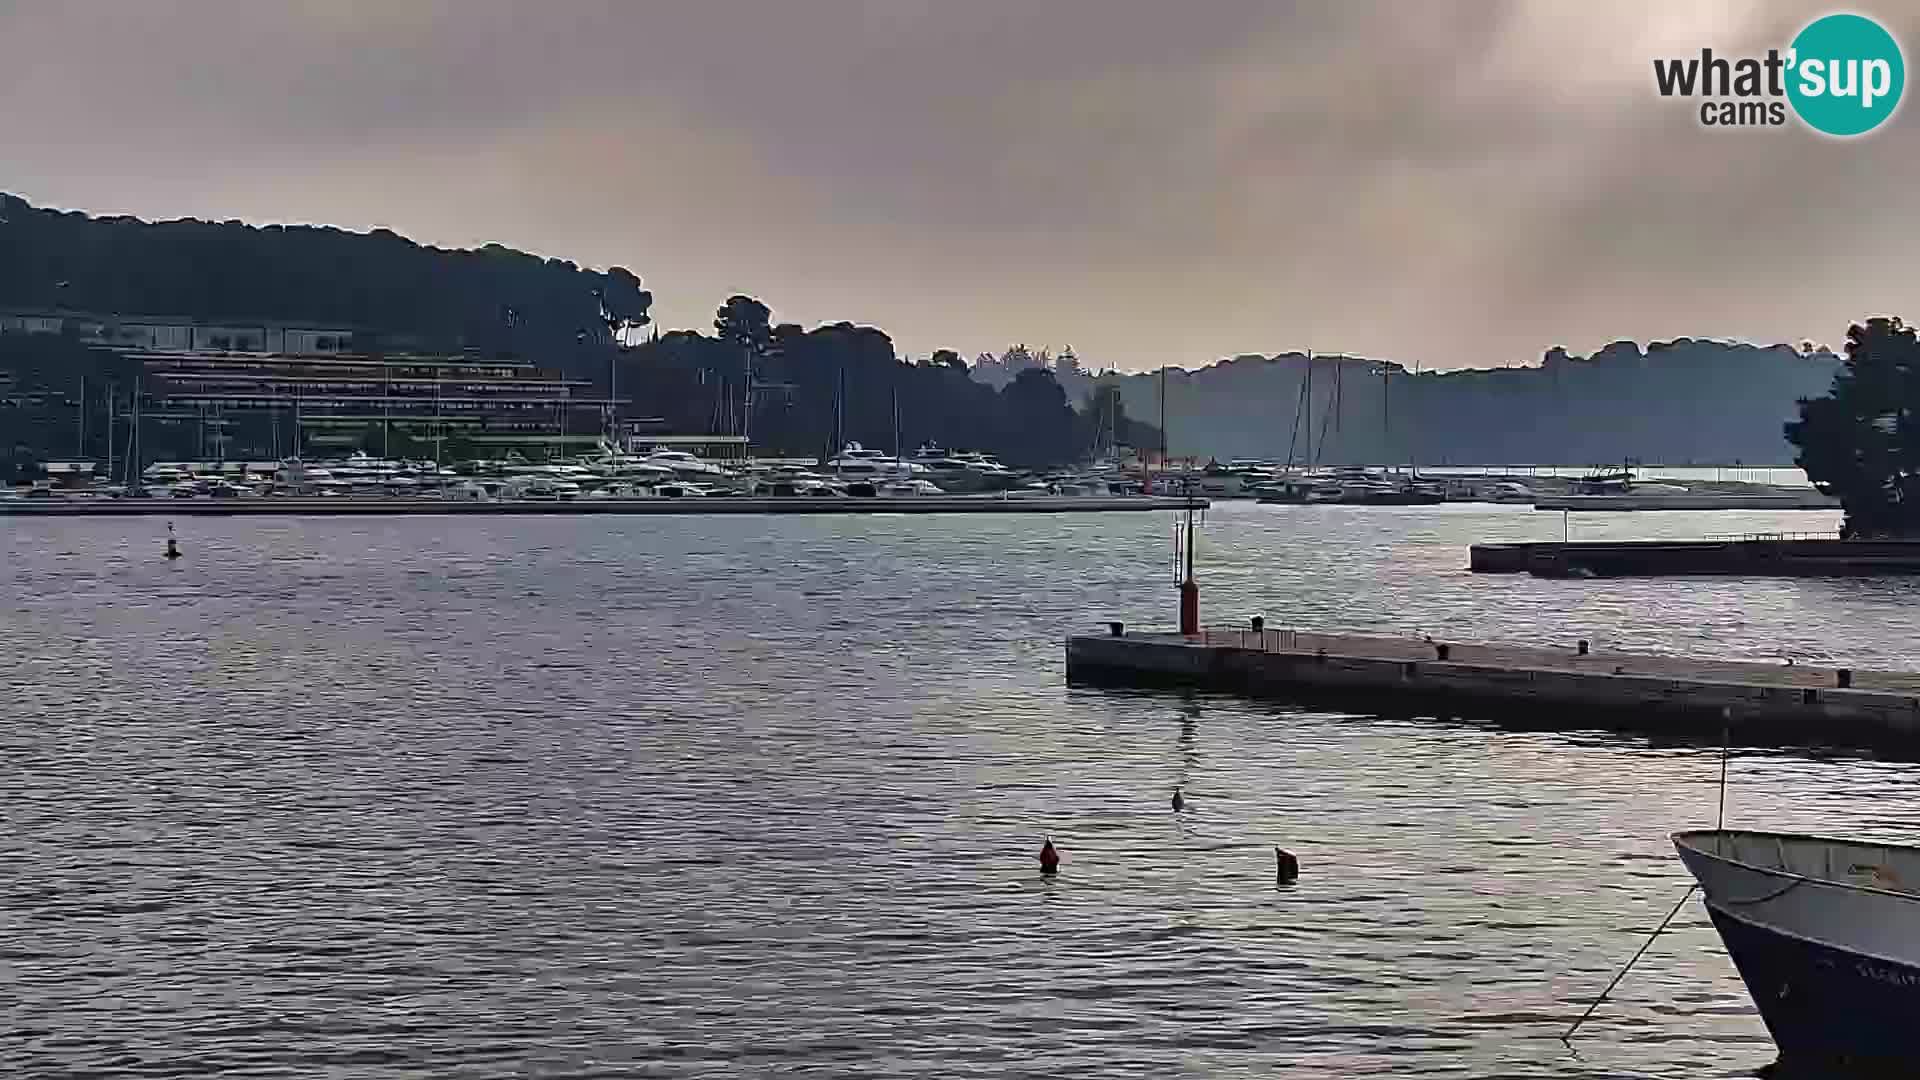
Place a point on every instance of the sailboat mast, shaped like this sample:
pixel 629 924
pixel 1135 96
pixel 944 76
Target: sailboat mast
pixel 1312 460
pixel 1166 444
pixel 134 468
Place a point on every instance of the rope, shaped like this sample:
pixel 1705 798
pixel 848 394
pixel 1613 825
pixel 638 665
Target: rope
pixel 1657 931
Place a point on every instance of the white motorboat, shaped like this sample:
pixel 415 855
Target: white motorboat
pixel 966 471
pixel 1826 935
pixel 539 487
pixel 786 481
pixel 680 489
pixel 856 461
pixel 683 464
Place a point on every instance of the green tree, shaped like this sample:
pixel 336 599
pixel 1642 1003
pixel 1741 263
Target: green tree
pixel 1861 442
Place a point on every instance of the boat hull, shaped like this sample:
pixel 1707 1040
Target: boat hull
pixel 1822 1004
pixel 1826 936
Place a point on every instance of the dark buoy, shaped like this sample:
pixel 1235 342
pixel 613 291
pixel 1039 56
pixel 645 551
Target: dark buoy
pixel 1179 801
pixel 1049 858
pixel 1285 867
pixel 173 546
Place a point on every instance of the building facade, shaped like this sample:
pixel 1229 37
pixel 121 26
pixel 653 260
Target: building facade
pixel 267 390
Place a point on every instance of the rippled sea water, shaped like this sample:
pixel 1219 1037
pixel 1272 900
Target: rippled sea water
pixel 762 796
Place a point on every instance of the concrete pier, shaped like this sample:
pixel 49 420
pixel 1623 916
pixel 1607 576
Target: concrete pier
pixel 1543 687
pixel 385 507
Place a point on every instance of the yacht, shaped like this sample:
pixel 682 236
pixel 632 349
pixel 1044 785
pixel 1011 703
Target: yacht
pixel 960 472
pixel 540 487
pixel 622 489
pixel 164 474
pixel 683 464
pixel 858 461
pixel 786 481
pixel 908 489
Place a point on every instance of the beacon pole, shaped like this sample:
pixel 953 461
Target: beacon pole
pixel 1189 589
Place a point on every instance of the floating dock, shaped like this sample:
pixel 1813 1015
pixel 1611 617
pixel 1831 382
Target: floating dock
pixel 1753 557
pixel 1780 499
pixel 1539 687
pixel 384 507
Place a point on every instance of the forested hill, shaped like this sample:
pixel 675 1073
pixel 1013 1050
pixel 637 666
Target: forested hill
pixel 814 388
pixel 490 298
pixel 1672 402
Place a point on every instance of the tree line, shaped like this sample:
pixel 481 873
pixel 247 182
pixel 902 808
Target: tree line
pixel 803 393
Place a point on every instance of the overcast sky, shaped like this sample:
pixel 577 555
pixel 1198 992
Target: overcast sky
pixel 1457 183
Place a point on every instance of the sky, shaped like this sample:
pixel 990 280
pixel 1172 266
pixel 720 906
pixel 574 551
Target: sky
pixel 1443 184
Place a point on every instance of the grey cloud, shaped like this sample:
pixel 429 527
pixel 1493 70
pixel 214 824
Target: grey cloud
pixel 1438 183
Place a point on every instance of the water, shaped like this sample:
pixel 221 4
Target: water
pixel 762 796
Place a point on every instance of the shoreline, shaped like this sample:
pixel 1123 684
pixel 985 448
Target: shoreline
pixel 386 507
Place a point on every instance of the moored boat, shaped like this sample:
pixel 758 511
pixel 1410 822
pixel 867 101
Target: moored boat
pixel 1826 935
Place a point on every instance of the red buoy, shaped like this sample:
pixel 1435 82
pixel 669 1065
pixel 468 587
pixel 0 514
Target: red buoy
pixel 1049 858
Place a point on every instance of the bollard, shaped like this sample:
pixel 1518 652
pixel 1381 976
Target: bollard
pixel 1259 625
pixel 1581 646
pixel 1115 629
pixel 1843 677
pixel 1442 651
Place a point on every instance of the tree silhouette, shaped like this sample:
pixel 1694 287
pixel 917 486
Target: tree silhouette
pixel 1861 442
pixel 744 323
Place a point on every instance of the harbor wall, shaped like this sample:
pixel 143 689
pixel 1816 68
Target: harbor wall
pixel 1780 499
pixel 1652 558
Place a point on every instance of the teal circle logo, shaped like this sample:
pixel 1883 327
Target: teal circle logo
pixel 1846 74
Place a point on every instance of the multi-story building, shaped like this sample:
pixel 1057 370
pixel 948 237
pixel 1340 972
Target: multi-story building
pixel 272 389
pixel 272 403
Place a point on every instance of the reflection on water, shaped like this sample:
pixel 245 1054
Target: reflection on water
pixel 737 796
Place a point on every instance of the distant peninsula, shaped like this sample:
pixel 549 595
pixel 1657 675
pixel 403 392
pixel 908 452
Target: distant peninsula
pixel 1672 402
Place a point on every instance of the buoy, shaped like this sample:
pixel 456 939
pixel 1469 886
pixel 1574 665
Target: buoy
pixel 1179 803
pixel 173 547
pixel 1285 867
pixel 1049 858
